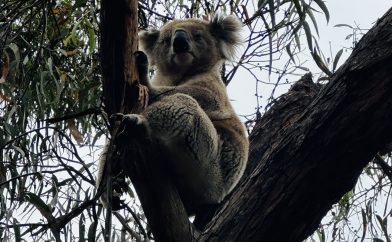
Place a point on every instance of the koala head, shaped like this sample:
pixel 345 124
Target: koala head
pixel 191 46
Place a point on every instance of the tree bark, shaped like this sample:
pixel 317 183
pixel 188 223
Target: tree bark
pixel 156 190
pixel 118 43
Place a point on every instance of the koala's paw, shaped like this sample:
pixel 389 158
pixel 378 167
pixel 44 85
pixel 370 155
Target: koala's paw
pixel 133 126
pixel 142 66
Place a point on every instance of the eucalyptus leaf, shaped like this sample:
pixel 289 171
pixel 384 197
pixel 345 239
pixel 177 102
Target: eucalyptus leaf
pixel 324 8
pixel 336 59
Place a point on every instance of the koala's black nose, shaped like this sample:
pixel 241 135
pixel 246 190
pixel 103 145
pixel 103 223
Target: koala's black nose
pixel 181 42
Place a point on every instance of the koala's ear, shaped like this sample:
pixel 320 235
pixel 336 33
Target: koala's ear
pixel 147 40
pixel 227 31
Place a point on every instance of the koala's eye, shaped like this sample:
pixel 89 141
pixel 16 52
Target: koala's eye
pixel 197 35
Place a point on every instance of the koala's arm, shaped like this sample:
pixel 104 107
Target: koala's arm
pixel 142 68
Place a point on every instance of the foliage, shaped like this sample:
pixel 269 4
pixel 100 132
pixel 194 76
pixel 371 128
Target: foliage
pixel 52 125
pixel 50 69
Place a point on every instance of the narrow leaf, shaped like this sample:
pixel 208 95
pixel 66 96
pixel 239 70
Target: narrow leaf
pixel 323 7
pixel 39 204
pixel 336 59
pixel 343 25
pixel 272 12
pixel 288 50
pixel 310 13
pixel 261 3
pixel 15 49
pixel 320 63
pixel 299 10
pixel 82 228
pixel 17 235
pixel 308 34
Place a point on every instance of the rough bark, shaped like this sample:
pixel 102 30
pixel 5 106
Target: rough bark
pixel 158 195
pixel 118 43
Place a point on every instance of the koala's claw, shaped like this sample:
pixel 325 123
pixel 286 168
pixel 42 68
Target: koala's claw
pixel 116 117
pixel 132 125
pixel 141 57
pixel 142 66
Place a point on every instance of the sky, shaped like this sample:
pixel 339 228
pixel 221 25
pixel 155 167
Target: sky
pixel 360 13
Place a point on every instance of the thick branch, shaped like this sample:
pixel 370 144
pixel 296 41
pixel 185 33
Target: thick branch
pixel 317 155
pixel 158 195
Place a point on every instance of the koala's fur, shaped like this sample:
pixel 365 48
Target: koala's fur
pixel 189 112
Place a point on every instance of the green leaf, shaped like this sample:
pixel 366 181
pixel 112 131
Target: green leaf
pixel 82 228
pixel 11 113
pixel 17 235
pixel 299 9
pixel 346 198
pixel 272 12
pixel 297 41
pixel 324 8
pixel 91 36
pixel 303 68
pixel 336 59
pixel 54 200
pixel 310 13
pixel 79 3
pixel 343 25
pixel 308 34
pixel 381 221
pixel 288 50
pixel 39 204
pixel 91 232
pixel 26 60
pixel 349 36
pixel 297 28
pixel 321 234
pixel 261 3
pixel 15 49
pixel 50 66
pixel 20 151
pixel 321 64
pixel 378 240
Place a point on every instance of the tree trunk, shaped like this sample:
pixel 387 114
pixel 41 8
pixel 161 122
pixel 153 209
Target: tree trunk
pixel 118 43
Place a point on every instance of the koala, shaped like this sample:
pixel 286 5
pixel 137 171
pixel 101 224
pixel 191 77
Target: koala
pixel 189 113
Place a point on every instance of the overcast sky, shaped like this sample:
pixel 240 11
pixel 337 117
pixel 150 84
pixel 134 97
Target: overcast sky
pixel 360 13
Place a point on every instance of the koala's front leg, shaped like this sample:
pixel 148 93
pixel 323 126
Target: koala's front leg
pixel 180 124
pixel 132 126
pixel 142 67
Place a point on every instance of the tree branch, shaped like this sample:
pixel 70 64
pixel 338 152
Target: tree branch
pixel 317 154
